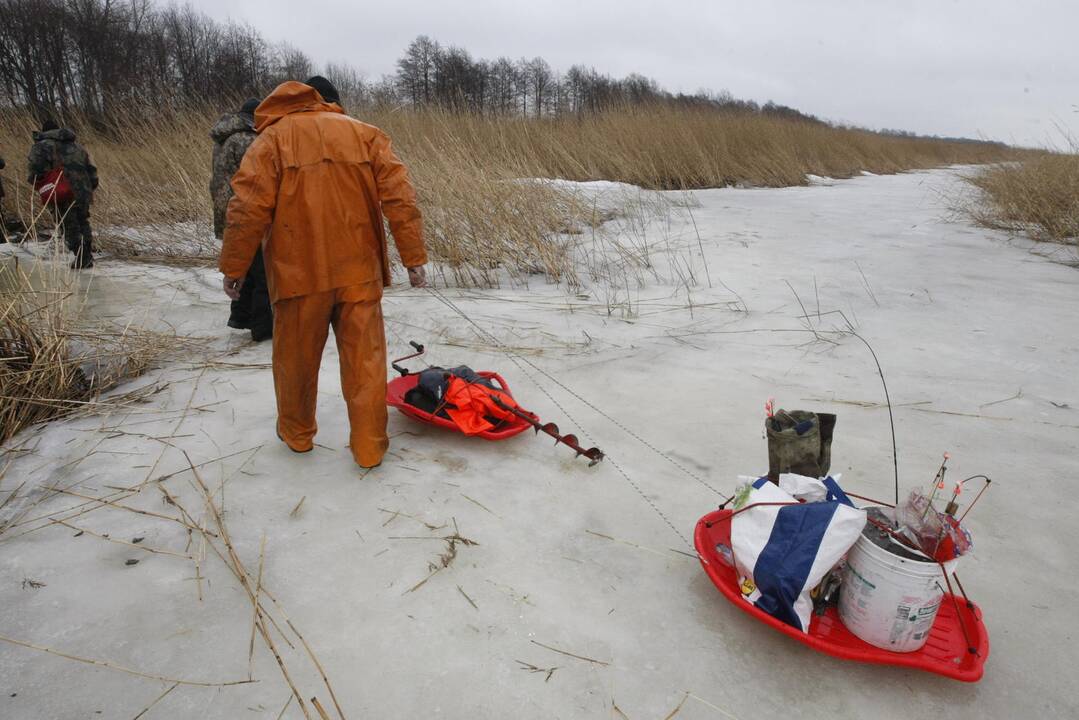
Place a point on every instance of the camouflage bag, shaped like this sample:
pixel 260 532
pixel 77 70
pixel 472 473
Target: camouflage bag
pixel 799 441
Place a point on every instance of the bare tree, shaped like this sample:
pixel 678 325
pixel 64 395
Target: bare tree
pixel 503 86
pixel 349 83
pixel 416 70
pixel 539 77
pixel 57 55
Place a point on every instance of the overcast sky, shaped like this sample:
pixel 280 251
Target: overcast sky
pixel 979 68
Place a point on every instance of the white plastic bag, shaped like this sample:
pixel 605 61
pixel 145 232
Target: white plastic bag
pixel 785 550
pixel 802 487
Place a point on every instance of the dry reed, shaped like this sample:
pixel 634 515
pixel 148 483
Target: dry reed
pixel 480 218
pixel 1038 196
pixel 54 361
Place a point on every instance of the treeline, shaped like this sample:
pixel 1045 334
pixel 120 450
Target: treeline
pixel 100 56
pixel 93 55
pixel 431 75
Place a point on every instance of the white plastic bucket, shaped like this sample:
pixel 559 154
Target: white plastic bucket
pixel 888 600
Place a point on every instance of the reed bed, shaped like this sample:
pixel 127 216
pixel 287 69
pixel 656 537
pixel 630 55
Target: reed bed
pixel 155 169
pixel 1038 196
pixel 54 362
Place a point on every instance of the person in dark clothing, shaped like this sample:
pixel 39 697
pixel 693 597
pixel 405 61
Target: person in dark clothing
pixel 55 147
pixel 232 135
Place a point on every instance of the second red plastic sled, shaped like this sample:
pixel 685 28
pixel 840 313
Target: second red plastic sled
pixel 946 652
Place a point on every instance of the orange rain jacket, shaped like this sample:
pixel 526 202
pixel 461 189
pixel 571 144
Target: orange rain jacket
pixel 296 192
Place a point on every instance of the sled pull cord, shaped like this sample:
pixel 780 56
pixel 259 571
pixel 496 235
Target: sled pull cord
pixel 517 360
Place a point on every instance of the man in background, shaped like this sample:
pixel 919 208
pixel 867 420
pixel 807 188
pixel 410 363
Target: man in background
pixel 233 134
pixel 55 147
pixel 312 190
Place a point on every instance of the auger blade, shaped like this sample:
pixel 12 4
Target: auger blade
pixel 594 455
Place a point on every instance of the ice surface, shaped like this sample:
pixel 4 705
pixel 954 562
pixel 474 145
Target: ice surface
pixel 568 556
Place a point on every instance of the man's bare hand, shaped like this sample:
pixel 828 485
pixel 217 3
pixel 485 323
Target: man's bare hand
pixel 417 276
pixel 232 287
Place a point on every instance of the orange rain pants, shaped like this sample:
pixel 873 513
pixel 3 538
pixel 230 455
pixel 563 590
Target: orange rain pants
pixel 301 326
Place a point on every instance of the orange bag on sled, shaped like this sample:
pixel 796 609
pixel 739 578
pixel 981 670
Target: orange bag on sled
pixel 470 404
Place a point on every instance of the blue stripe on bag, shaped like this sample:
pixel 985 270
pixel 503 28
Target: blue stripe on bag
pixel 784 564
pixel 835 493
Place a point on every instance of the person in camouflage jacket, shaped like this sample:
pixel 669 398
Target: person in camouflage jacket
pixel 56 146
pixel 232 134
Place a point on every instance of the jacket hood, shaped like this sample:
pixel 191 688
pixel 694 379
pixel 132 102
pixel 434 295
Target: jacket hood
pixel 231 123
pixel 287 98
pixel 60 134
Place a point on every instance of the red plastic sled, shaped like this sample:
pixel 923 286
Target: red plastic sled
pixel 395 397
pixel 946 652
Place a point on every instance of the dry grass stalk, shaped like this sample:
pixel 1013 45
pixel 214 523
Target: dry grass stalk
pixel 569 654
pixel 677 708
pixel 318 706
pixel 137 546
pixel 158 699
pixel 255 611
pixel 120 668
pixel 713 706
pixel 91 504
pixel 536 669
pixel 242 575
pixel 245 578
pixel 470 600
pixel 321 672
pixel 262 621
pixel 444 559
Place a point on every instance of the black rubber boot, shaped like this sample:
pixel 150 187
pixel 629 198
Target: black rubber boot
pixel 827 429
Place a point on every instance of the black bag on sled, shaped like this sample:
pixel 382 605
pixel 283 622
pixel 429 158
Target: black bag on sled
pixel 431 388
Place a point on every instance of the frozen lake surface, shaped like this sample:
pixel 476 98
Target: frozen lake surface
pixel 577 596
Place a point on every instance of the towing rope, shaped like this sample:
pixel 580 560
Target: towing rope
pixel 517 359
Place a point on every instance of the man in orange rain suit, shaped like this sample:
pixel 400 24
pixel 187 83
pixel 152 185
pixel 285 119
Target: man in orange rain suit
pixel 312 190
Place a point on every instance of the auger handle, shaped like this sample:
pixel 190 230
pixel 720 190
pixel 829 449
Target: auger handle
pixel 420 350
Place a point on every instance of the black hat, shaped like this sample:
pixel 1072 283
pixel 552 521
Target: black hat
pixel 325 89
pixel 48 125
pixel 249 106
